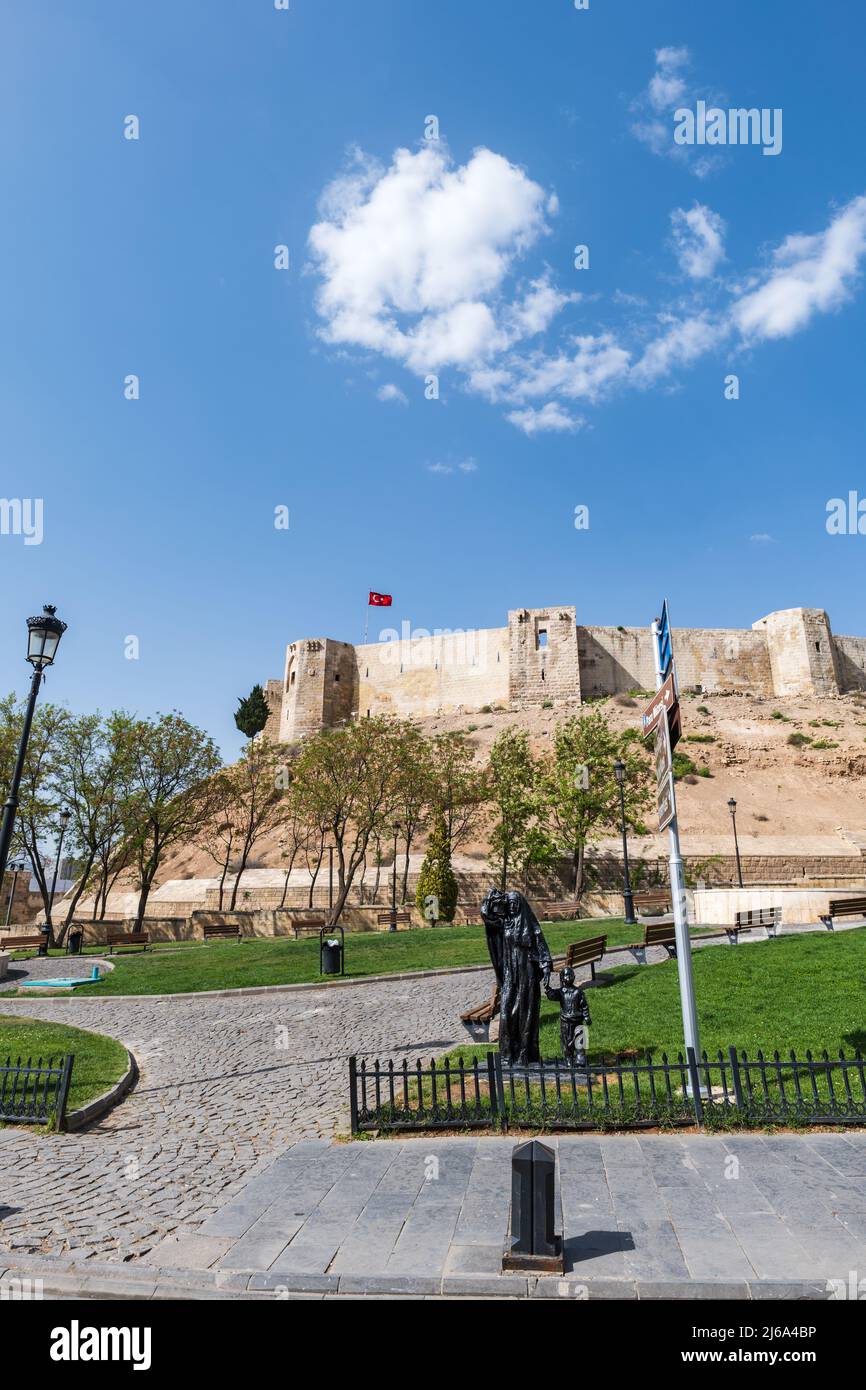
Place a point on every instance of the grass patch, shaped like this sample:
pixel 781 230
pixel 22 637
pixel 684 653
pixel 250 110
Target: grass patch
pixel 795 992
pixel 99 1061
pixel 284 961
pixel 699 738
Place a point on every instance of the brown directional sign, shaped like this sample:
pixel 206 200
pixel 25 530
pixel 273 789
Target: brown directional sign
pixel 664 699
pixel 664 774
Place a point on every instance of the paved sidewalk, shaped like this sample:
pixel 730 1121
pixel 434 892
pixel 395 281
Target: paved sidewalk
pixel 425 1215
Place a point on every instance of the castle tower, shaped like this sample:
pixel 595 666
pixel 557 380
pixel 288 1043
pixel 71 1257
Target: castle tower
pixel 544 663
pixel 318 686
pixel 801 651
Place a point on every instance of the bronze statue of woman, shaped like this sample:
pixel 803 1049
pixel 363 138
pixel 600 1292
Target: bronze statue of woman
pixel 521 961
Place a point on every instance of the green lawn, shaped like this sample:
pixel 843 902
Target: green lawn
pixel 99 1061
pixel 796 992
pixel 280 961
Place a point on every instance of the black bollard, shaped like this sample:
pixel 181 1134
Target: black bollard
pixel 532 1239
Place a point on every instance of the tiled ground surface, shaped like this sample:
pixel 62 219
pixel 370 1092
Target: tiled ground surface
pixel 654 1208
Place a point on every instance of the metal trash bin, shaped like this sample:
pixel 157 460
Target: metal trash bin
pixel 332 953
pixel 74 940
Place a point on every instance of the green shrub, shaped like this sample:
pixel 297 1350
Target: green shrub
pixel 437 877
pixel 702 709
pixel 797 740
pixel 777 714
pixel 824 743
pixel 699 738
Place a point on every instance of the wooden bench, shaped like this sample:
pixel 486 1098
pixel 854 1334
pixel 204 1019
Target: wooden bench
pixel 767 917
pixel 661 935
pixel 222 929
pixel 116 936
pixel 384 918
pixel 653 901
pixel 477 1021
pixel 844 907
pixel 23 943
pixel 558 912
pixel 581 953
pixel 310 926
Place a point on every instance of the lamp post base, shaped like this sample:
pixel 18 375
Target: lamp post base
pixel 628 902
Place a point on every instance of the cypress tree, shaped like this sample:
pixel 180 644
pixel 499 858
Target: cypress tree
pixel 436 877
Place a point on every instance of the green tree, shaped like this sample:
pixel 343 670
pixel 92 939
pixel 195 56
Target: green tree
pixel 579 794
pixel 248 805
pixel 171 767
pixel 346 783
pixel 92 770
pixel 458 786
pixel 436 878
pixel 251 715
pixel 511 782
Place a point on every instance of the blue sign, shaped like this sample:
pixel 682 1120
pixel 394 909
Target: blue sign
pixel 666 651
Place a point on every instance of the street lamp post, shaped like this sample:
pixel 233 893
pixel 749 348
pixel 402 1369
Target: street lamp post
pixel 64 821
pixel 17 866
pixel 283 845
pixel 392 926
pixel 43 637
pixel 628 899
pixel 330 878
pixel 732 807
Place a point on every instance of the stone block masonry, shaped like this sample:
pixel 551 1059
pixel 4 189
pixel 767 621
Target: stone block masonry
pixel 544 656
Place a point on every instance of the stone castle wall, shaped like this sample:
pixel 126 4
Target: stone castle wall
pixel 544 655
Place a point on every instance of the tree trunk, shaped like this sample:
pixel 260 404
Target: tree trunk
pixel 405 889
pixel 82 883
pixel 223 882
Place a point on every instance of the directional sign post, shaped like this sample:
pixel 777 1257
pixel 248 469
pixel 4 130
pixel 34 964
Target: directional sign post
pixel 667 807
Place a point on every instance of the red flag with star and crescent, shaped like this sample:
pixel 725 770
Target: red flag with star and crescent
pixel 379 600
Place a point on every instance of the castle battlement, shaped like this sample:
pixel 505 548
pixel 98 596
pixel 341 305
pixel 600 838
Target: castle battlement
pixel 544 654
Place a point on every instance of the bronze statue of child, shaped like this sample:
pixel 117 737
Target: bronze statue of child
pixel 573 1014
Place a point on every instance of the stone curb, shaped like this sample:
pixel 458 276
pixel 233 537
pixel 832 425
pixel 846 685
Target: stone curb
pixel 279 989
pixel 100 1105
pixel 63 1279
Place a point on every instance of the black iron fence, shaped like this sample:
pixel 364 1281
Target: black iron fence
pixel 35 1092
pixel 728 1089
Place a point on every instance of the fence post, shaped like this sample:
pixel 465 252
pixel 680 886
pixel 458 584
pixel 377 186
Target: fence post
pixel 353 1094
pixel 491 1086
pixel 696 1085
pixel 495 1059
pixel 737 1079
pixel 63 1090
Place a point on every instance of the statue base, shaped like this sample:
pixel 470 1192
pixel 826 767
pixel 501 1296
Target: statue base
pixel 542 1264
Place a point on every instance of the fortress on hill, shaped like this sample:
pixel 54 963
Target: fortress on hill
pixel 544 654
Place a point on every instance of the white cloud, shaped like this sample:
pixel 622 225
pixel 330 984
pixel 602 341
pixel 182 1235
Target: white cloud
pixel 653 111
pixel 811 274
pixel 467 465
pixel 681 342
pixel 699 240
pixel 667 84
pixel 413 258
pixel 421 262
pixel 550 417
pixel 761 538
pixel 390 392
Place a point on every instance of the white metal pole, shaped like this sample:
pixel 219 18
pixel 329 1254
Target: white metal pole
pixel 678 899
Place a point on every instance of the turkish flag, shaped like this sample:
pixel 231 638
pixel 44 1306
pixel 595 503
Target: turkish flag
pixel 379 600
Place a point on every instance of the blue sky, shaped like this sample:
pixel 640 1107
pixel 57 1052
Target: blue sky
pixel 559 387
